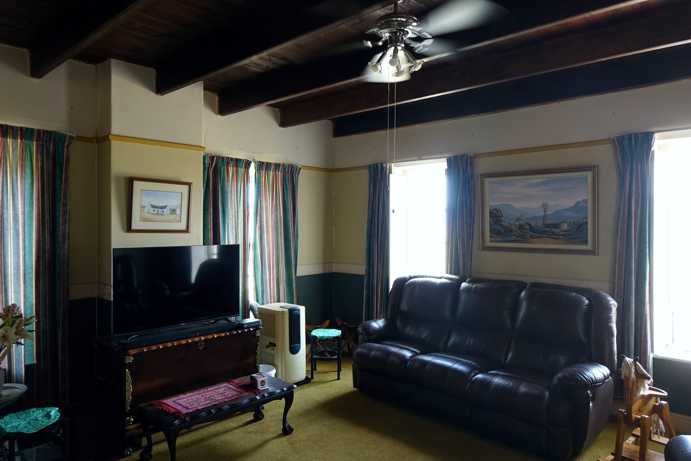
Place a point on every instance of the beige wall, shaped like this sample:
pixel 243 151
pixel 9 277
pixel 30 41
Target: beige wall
pixel 64 100
pixel 83 223
pixel 653 108
pixel 255 134
pixel 582 270
pixel 136 109
pixel 313 222
pixel 349 191
pixel 349 205
pixel 145 161
pixel 122 160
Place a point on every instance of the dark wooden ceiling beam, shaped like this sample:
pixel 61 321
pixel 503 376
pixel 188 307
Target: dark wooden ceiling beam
pixel 664 27
pixel 251 38
pixel 293 82
pixel 77 31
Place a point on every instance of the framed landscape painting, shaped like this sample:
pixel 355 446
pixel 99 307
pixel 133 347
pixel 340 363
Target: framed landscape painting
pixel 543 211
pixel 159 205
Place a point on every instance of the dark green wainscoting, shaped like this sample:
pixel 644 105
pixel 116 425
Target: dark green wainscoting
pixel 346 296
pixel 674 376
pixel 331 296
pixel 314 292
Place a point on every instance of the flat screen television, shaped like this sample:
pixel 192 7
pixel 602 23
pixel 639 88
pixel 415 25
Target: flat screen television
pixel 163 286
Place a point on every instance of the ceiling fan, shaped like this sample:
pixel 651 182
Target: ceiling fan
pixel 399 37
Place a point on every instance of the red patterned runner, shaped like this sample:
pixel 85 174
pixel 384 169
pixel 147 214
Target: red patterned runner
pixel 203 398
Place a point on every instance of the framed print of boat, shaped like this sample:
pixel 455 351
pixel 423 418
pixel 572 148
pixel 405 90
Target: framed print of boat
pixel 542 211
pixel 159 205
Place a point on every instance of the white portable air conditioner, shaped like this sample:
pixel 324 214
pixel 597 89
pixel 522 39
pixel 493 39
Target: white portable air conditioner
pixel 282 340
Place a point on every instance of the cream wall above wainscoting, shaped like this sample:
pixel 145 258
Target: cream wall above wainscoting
pixel 136 109
pixel 349 191
pixel 104 219
pixel 83 221
pixel 157 162
pixel 64 100
pixel 255 134
pixel 313 222
pixel 653 108
pixel 593 271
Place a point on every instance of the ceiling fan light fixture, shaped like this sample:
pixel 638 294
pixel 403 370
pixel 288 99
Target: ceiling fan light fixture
pixel 395 64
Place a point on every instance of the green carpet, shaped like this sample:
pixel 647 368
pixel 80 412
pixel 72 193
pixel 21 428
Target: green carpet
pixel 333 421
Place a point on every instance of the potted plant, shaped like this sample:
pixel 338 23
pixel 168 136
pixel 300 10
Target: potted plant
pixel 14 329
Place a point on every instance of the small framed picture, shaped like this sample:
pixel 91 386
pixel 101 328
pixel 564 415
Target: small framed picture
pixel 158 205
pixel 540 211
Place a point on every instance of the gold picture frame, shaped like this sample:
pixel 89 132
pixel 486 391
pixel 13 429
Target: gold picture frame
pixel 544 211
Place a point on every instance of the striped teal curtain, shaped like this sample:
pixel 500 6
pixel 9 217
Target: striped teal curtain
pixel 275 232
pixel 460 214
pixel 632 267
pixel 377 268
pixel 226 210
pixel 34 249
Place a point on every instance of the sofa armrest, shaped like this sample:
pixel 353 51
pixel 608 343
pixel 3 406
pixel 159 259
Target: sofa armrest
pixel 582 376
pixel 373 330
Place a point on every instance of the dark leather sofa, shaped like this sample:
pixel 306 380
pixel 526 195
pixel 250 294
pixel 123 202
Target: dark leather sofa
pixel 528 363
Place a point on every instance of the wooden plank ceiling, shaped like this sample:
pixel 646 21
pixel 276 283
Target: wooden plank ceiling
pixel 291 55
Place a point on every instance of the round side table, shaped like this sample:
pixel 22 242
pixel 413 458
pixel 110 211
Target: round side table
pixel 16 425
pixel 320 350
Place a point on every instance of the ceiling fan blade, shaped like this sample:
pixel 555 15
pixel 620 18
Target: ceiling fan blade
pixel 345 48
pixel 438 46
pixel 457 15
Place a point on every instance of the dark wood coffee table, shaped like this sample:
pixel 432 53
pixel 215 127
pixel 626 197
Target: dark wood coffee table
pixel 154 419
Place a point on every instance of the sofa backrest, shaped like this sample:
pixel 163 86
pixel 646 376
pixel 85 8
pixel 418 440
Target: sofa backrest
pixel 536 326
pixel 602 318
pixel 484 318
pixel 552 331
pixel 424 308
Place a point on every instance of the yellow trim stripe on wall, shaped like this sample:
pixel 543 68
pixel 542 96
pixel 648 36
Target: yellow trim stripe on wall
pixel 197 148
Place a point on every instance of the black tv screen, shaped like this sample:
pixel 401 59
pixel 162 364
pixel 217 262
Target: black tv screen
pixel 162 286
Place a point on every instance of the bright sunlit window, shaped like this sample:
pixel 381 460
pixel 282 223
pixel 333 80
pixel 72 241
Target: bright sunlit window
pixel 671 247
pixel 418 219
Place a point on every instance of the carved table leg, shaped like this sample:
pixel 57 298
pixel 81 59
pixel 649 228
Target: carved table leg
pixel 258 413
pixel 287 428
pixel 145 454
pixel 171 440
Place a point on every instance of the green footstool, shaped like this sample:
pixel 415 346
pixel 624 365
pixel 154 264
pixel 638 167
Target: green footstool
pixel 322 348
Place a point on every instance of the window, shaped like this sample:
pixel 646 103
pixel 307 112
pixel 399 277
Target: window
pixel 671 246
pixel 418 219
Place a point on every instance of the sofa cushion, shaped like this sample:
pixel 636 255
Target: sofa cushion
pixel 426 309
pixel 517 393
pixel 388 358
pixel 552 331
pixel 484 320
pixel 447 373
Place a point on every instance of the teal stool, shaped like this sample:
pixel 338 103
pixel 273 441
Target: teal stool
pixel 24 422
pixel 320 350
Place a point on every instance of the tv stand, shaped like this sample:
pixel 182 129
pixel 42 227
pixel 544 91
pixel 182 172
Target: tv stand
pixel 138 368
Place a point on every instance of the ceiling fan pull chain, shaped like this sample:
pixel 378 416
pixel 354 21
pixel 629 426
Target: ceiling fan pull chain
pixel 395 116
pixel 388 109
